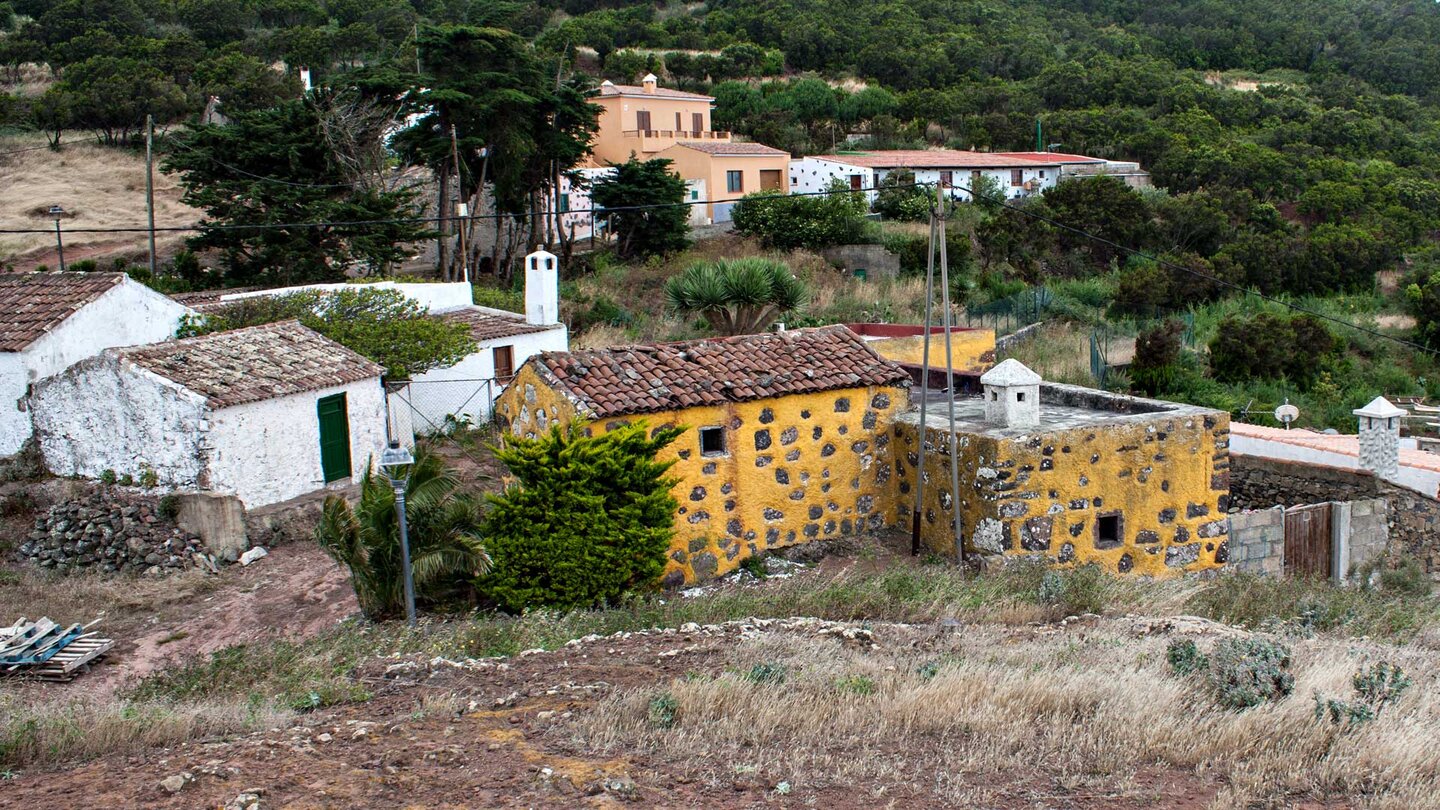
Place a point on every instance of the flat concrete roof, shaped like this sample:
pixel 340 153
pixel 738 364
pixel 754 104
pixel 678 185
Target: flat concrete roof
pixel 1062 408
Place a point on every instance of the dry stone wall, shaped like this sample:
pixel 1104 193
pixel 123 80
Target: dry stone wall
pixel 110 531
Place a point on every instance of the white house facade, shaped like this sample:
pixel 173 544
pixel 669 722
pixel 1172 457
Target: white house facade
pixel 956 171
pixel 50 321
pixel 267 413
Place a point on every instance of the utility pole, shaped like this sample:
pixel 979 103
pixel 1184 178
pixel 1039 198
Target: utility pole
pixel 150 185
pixel 461 208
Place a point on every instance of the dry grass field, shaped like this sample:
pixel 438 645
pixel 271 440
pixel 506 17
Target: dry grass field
pixel 98 187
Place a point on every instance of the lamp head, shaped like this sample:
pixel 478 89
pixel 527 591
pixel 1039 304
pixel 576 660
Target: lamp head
pixel 394 457
pixel 56 211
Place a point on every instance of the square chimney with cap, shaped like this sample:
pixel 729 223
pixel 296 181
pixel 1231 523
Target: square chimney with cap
pixel 1012 395
pixel 542 287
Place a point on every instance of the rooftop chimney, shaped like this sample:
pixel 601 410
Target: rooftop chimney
pixel 649 83
pixel 1012 395
pixel 1380 437
pixel 542 288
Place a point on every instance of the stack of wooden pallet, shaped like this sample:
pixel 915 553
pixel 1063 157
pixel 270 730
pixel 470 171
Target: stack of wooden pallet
pixel 48 651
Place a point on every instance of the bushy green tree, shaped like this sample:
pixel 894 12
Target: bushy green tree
pixel 899 199
pixel 386 326
pixel 648 231
pixel 272 169
pixel 737 296
pixel 446 549
pixel 588 520
pixel 787 221
pixel 1157 356
pixel 1266 346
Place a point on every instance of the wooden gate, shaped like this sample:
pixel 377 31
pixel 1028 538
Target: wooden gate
pixel 1308 545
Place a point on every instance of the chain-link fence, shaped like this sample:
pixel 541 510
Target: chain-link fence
pixel 438 408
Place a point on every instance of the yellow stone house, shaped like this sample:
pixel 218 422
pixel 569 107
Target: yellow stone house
pixel 788 434
pixel 1072 475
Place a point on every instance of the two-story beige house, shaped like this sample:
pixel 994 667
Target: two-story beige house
pixel 649 121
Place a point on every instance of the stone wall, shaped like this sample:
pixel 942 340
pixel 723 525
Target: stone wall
pixel 1257 541
pixel 112 531
pixel 877 261
pixel 1413 519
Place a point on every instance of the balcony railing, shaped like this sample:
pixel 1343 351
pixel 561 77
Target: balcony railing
pixel 677 134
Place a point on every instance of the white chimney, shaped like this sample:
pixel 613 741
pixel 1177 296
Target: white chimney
pixel 542 287
pixel 1012 395
pixel 648 83
pixel 1380 437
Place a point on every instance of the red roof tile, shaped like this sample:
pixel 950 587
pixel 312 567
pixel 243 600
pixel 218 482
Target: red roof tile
pixel 253 364
pixel 31 304
pixel 732 148
pixel 491 325
pixel 1052 158
pixel 933 159
pixel 672 376
pixel 660 92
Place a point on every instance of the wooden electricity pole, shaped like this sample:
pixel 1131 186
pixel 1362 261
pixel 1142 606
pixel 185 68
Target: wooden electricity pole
pixel 150 185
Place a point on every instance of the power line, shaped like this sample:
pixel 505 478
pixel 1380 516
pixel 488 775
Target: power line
pixel 20 151
pixel 1215 279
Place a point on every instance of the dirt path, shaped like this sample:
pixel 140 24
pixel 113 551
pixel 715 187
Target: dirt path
pixel 295 592
pixel 502 734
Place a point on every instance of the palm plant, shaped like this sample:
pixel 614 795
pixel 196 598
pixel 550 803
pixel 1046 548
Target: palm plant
pixel 737 296
pixel 445 543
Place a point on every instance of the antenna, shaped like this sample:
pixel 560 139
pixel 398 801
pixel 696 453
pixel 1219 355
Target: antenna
pixel 1287 413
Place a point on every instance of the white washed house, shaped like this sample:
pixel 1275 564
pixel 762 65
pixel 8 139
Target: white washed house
pixel 50 321
pixel 267 413
pixel 466 391
pixel 953 169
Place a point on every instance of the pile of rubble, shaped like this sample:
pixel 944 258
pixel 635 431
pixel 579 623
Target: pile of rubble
pixel 113 535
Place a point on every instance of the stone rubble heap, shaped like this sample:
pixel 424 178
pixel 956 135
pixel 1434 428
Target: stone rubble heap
pixel 112 535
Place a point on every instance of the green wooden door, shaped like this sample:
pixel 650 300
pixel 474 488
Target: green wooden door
pixel 334 437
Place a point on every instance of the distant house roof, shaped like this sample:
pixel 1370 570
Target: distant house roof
pixel 1052 157
pixel 933 159
pixel 672 376
pixel 732 148
pixel 209 300
pixel 253 364
pixel 31 304
pixel 490 324
pixel 609 89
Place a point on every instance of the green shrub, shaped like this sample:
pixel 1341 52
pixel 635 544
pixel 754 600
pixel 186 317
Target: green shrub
pixel 1376 687
pixel 589 520
pixel 83 266
pixel 928 670
pixel 168 507
pixel 149 479
pixel 755 566
pixel 768 672
pixel 108 476
pixel 1408 578
pixel 662 710
pixel 1185 658
pixel 856 685
pixel 496 298
pixel 444 531
pixel 1246 672
pixel 788 221
pixel 1074 590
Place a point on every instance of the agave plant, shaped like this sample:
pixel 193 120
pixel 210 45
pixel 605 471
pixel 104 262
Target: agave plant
pixel 737 296
pixel 445 543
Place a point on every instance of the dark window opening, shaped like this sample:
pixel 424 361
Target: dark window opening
pixel 947 179
pixel 734 182
pixel 1019 396
pixel 642 120
pixel 712 441
pixel 1017 177
pixel 504 362
pixel 1108 530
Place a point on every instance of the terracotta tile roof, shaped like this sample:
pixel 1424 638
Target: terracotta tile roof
pixel 1051 158
pixel 660 92
pixel 732 148
pixel 934 159
pixel 489 324
pixel 672 376
pixel 31 304
pixel 253 364
pixel 1344 444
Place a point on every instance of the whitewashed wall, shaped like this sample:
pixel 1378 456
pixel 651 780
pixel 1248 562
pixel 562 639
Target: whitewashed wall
pixel 432 296
pixel 130 314
pixel 269 451
pixel 813 174
pixel 459 389
pixel 104 414
pixel 1422 480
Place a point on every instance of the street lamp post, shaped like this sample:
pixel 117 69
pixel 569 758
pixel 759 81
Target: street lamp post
pixel 394 461
pixel 56 212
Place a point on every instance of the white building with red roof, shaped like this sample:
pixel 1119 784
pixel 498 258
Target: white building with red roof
pixel 1016 174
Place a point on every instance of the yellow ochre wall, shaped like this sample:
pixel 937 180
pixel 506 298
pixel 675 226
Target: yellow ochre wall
pixel 1040 494
pixel 971 350
pixel 797 468
pixel 619 115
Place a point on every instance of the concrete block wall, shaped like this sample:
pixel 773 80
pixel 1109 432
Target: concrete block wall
pixel 1257 541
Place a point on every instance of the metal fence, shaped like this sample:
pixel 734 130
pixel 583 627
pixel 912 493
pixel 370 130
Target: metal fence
pixel 437 408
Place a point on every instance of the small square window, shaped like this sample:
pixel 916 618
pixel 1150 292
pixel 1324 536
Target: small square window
pixel 1108 529
pixel 994 396
pixel 1019 396
pixel 712 441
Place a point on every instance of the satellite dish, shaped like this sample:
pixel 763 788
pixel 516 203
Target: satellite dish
pixel 1287 413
